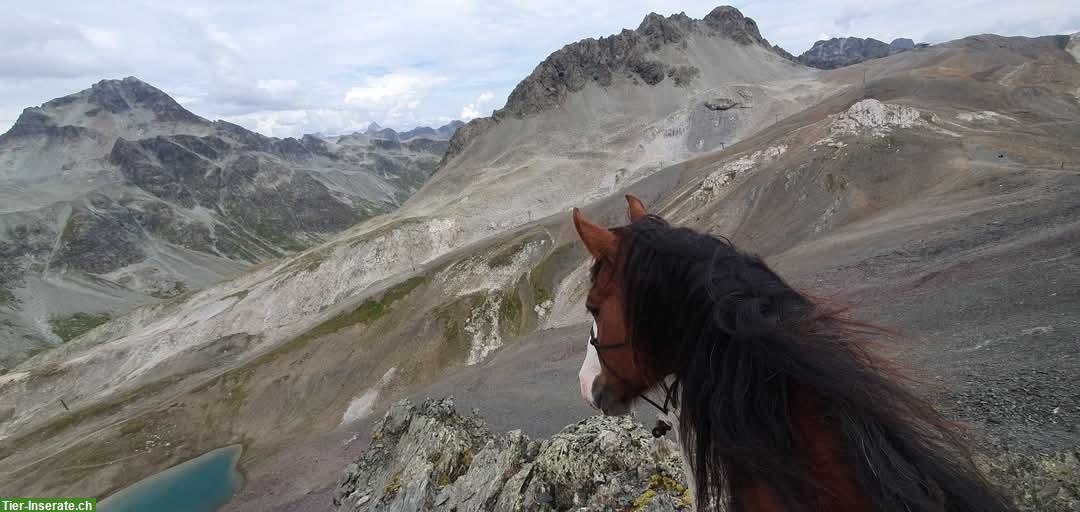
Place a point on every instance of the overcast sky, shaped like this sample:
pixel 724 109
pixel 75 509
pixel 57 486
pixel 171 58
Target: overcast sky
pixel 287 68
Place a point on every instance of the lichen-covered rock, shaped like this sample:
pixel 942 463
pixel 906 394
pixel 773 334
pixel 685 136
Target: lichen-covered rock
pixel 1044 483
pixel 431 458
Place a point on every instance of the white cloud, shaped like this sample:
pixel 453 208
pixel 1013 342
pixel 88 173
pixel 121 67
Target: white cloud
pixel 277 87
pixel 394 89
pixel 99 37
pixel 288 68
pixel 480 107
pixel 287 123
pixel 396 95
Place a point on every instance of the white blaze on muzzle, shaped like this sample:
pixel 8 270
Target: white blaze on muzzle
pixel 590 368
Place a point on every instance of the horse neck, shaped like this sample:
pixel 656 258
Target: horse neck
pixel 835 485
pixel 817 443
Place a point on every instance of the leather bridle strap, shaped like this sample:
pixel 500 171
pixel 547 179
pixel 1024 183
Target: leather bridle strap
pixel 662 427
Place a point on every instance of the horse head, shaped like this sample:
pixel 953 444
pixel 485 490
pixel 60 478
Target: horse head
pixel 610 377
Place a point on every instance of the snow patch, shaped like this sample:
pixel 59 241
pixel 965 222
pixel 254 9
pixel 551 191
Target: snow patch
pixel 362 406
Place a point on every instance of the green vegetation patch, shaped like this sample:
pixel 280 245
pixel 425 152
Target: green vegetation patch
pixel 453 318
pixel 369 311
pixel 510 310
pixel 71 326
pixel 539 275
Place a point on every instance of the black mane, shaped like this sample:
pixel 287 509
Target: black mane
pixel 740 339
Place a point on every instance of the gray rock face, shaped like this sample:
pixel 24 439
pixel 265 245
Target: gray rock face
pixel 630 52
pixel 845 51
pixel 431 458
pixel 901 44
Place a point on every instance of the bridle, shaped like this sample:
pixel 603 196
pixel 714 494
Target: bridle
pixel 662 427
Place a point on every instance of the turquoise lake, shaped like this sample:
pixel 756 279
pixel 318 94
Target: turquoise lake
pixel 202 484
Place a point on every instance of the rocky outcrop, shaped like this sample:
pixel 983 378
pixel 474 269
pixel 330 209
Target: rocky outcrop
pixel 875 117
pixel 630 53
pixel 845 51
pixel 432 458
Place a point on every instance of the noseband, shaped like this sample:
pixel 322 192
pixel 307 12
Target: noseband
pixel 662 427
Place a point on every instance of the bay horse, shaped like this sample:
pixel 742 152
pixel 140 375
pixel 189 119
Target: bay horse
pixel 780 405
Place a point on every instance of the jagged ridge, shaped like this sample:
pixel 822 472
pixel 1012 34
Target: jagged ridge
pixel 599 60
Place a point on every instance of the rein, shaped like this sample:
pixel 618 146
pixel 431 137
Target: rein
pixel 662 427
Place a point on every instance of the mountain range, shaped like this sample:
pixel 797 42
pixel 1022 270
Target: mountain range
pixel 933 188
pixel 116 196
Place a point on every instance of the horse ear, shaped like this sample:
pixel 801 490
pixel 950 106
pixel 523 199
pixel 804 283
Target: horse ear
pixel 635 208
pixel 598 240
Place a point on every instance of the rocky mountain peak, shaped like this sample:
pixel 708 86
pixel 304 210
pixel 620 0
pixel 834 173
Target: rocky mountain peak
pixel 129 93
pixel 731 23
pixel 127 101
pixel 626 53
pixel 845 51
pixel 659 29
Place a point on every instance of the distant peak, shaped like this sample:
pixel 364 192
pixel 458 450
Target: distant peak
pixel 373 127
pixel 114 96
pixel 127 93
pixel 845 51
